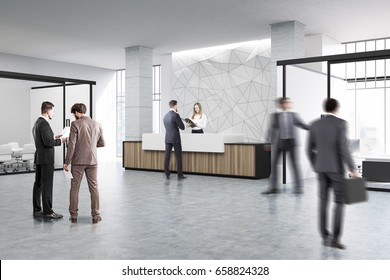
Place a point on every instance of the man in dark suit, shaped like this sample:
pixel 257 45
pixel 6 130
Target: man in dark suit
pixel 173 123
pixel 282 135
pixel 44 162
pixel 328 152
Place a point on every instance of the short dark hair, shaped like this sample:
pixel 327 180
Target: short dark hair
pixel 331 105
pixel 282 100
pixel 46 107
pixel 78 107
pixel 172 103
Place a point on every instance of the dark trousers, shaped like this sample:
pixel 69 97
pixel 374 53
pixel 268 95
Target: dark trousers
pixel 168 150
pixel 327 181
pixel 43 187
pixel 287 145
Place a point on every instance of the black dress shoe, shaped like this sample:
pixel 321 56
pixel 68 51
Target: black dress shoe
pixel 168 177
pixel 37 213
pixel 326 238
pixel 270 191
pixel 337 245
pixel 53 216
pixel 326 241
pixel 96 220
pixel 181 177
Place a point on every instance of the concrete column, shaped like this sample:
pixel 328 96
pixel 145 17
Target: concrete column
pixel 287 42
pixel 139 106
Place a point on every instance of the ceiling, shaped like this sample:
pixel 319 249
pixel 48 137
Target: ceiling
pixel 96 32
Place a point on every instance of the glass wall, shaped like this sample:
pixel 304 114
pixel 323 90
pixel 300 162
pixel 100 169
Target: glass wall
pixel 367 45
pixel 366 98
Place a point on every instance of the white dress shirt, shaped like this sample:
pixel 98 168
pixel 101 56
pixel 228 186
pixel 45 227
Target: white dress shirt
pixel 201 123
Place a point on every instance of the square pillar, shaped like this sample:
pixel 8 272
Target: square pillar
pixel 287 42
pixel 138 92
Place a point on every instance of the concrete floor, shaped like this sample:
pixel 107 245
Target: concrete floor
pixel 146 217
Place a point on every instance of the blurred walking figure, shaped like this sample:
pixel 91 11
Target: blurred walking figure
pixel 328 152
pixel 282 136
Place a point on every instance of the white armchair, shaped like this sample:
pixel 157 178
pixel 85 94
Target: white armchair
pixel 5 157
pixel 28 153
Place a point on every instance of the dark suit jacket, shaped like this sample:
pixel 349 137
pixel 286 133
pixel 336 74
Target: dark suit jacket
pixel 44 142
pixel 172 123
pixel 84 138
pixel 328 146
pixel 274 132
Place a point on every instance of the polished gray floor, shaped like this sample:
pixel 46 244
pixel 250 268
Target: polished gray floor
pixel 202 217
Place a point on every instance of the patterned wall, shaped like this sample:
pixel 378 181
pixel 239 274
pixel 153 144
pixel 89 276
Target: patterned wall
pixel 232 83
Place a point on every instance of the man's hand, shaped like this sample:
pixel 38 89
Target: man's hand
pixel 63 140
pixel 58 137
pixel 267 147
pixel 354 174
pixel 66 167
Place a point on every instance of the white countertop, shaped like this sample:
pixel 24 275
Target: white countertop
pixel 373 157
pixel 207 142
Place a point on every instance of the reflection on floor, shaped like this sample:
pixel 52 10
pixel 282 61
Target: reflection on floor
pixel 147 217
pixel 22 167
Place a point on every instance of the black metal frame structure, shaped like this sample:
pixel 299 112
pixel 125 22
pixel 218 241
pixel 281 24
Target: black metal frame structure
pixel 330 59
pixel 57 82
pixel 60 81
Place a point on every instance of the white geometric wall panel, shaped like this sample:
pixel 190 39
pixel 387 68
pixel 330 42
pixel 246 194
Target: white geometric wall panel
pixel 232 83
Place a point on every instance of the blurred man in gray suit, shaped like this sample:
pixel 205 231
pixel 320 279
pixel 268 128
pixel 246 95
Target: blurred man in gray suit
pixel 283 137
pixel 85 136
pixel 173 123
pixel 328 152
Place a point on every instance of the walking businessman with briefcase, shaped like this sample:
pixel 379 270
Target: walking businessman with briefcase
pixel 328 152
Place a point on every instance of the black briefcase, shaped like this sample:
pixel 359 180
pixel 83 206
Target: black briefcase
pixel 355 190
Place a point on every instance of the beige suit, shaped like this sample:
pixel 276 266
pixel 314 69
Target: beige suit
pixel 85 136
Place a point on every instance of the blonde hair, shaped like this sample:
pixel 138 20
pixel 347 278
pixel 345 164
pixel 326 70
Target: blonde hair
pixel 200 110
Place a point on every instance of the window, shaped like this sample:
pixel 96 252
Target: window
pixel 367 86
pixel 120 111
pixel 156 97
pixel 120 106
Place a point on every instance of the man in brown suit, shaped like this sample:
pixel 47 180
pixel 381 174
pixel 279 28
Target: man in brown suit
pixel 85 136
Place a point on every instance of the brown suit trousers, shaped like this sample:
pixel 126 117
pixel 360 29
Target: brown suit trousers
pixel 91 174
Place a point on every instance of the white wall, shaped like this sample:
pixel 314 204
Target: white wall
pixel 321 45
pixel 232 83
pixel 104 110
pixel 14 125
pixel 307 90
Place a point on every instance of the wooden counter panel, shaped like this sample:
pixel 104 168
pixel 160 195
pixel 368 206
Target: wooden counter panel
pixel 237 160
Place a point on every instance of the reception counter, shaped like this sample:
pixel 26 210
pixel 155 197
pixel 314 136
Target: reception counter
pixel 244 160
pixel 207 142
pixel 376 168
